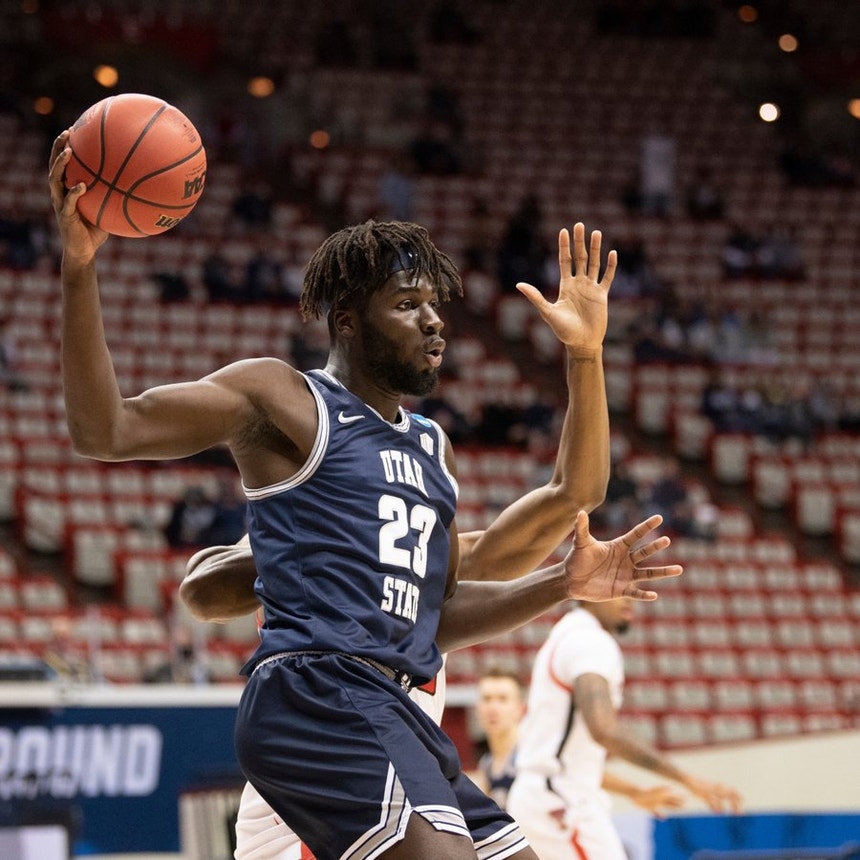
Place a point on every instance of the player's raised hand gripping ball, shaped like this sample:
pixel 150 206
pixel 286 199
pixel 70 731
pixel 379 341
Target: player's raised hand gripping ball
pixel 142 161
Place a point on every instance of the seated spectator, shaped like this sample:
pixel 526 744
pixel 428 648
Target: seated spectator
pixel 10 373
pixel 200 520
pixel 253 205
pixel 777 255
pixel 480 239
pixel 450 419
pixel 396 190
pixel 263 277
pixel 720 404
pixel 172 287
pixel 621 504
pixel 668 497
pixel 218 279
pixel 65 654
pixel 190 519
pixel 435 151
pixel 704 201
pixel 634 276
pixel 738 253
pixel 230 520
pixel 523 250
pixel 183 665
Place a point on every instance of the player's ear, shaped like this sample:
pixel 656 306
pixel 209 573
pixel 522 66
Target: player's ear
pixel 343 322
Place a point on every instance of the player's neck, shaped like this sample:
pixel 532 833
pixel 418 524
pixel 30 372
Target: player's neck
pixel 502 744
pixel 386 403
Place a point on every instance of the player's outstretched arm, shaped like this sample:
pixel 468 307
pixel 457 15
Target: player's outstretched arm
pixel 531 528
pixel 594 702
pixel 219 582
pixel 656 799
pixel 593 570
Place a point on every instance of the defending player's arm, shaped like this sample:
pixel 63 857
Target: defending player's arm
pixel 593 700
pixel 593 570
pixel 526 532
pixel 656 799
pixel 219 582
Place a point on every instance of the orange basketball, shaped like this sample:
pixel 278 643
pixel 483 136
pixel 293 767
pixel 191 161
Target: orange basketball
pixel 142 161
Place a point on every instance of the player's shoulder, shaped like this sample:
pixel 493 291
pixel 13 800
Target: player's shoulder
pixel 260 373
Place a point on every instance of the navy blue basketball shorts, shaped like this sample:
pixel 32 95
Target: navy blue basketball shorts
pixel 344 756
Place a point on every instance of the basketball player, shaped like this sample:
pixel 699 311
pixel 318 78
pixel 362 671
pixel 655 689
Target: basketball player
pixel 499 709
pixel 352 503
pixel 570 726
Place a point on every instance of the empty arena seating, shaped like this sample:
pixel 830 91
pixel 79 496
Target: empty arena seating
pixel 755 640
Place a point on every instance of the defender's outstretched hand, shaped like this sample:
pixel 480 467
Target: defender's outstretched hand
pixel 718 797
pixel 578 317
pixel 603 570
pixel 80 239
pixel 658 799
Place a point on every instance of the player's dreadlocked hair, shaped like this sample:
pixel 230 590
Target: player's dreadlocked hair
pixel 355 262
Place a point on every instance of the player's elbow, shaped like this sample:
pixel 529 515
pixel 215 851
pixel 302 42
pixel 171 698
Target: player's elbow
pixel 570 498
pixel 594 499
pixel 93 444
pixel 197 599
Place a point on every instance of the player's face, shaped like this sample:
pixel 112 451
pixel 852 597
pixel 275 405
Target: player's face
pixel 400 335
pixel 616 616
pixel 500 704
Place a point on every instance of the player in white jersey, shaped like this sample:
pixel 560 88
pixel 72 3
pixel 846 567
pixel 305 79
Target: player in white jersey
pixel 559 794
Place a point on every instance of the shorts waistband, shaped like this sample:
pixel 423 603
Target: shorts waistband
pixel 403 679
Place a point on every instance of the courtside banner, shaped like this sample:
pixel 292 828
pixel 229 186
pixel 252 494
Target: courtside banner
pixel 113 773
pixel 780 836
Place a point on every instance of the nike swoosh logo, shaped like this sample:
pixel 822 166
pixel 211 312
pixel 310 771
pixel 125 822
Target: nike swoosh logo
pixel 348 419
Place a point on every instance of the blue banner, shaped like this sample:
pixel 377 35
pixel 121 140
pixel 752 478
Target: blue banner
pixel 113 775
pixel 764 837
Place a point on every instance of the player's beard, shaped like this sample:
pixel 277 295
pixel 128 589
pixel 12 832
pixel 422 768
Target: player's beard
pixel 622 627
pixel 384 364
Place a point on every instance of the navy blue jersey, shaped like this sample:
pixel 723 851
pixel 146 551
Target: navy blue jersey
pixel 498 782
pixel 352 552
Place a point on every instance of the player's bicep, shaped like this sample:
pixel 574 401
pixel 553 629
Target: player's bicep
pixel 180 419
pixel 593 699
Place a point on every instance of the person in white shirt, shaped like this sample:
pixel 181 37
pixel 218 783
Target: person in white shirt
pixel 559 795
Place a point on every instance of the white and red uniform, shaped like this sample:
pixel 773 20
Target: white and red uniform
pixel 557 797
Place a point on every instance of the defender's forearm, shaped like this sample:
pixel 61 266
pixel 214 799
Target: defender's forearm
pixel 480 610
pixel 219 584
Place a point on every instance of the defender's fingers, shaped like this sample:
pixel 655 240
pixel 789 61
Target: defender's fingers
pixel 639 531
pixel 638 594
pixel 645 574
pixel 640 553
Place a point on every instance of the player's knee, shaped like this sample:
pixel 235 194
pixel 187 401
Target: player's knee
pixel 425 842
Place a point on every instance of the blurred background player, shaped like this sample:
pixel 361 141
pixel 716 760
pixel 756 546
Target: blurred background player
pixel 499 708
pixel 571 725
